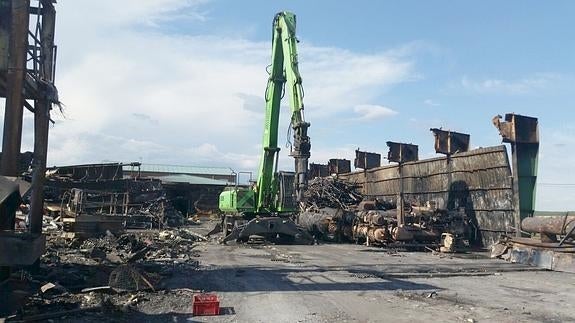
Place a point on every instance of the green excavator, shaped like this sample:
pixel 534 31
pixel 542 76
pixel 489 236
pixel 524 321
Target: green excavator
pixel 267 209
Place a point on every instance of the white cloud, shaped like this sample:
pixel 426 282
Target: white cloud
pixel 371 112
pixel 335 78
pixel 431 103
pixel 499 86
pixel 108 14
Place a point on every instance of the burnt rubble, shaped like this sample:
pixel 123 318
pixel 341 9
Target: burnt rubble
pixel 88 200
pixel 103 278
pixel 336 211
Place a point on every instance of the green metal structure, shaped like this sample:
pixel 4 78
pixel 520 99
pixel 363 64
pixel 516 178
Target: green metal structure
pixel 275 194
pixel 522 132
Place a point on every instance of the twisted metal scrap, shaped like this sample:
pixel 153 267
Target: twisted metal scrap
pixel 330 192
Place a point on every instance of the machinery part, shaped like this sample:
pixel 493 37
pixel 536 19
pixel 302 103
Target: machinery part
pixel 275 229
pixel 377 218
pixel 448 242
pixel 371 234
pixel 402 234
pixel 410 233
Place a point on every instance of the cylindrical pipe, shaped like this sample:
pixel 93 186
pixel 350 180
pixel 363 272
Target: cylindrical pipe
pixel 409 233
pixel 375 234
pixel 549 224
pixel 401 234
pixel 376 217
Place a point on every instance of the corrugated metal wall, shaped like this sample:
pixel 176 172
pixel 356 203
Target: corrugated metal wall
pixel 479 181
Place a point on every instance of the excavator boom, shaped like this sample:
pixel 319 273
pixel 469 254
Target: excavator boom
pixel 266 209
pixel 284 74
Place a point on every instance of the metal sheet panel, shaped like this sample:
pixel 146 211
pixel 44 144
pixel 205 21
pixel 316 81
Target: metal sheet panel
pixel 318 170
pixel 339 166
pixel 450 142
pixel 402 153
pixel 366 160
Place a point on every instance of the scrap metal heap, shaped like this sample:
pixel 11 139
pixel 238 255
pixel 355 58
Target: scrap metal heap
pixel 94 204
pixel 335 211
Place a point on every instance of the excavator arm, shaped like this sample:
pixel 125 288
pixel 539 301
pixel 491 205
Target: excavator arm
pixel 266 210
pixel 284 74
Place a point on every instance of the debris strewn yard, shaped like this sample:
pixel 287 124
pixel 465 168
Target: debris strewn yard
pixel 447 232
pixel 151 276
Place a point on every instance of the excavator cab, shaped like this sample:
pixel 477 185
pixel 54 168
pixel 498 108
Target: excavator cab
pixel 242 222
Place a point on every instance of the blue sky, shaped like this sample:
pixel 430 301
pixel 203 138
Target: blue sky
pixel 182 81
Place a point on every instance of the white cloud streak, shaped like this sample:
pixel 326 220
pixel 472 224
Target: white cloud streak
pixel 431 103
pixel 513 87
pixel 370 112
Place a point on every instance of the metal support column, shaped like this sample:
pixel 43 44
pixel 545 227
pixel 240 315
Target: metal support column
pixel 523 134
pixel 16 73
pixel 42 118
pixel 401 153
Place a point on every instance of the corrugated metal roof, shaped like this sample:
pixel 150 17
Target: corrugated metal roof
pixel 190 179
pixel 179 169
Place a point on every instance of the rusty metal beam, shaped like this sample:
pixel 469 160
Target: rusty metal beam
pixel 42 119
pixel 18 43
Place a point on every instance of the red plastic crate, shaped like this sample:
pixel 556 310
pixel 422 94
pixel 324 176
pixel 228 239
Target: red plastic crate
pixel 206 304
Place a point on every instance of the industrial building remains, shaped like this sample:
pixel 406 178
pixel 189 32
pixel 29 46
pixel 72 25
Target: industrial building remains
pixel 132 241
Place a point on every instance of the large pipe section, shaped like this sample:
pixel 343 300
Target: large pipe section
pixel 373 234
pixel 557 225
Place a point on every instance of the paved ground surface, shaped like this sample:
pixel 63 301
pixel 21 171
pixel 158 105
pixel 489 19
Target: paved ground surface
pixel 351 283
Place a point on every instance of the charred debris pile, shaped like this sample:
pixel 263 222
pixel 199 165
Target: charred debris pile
pixel 88 200
pixel 336 211
pixel 113 246
pixel 107 276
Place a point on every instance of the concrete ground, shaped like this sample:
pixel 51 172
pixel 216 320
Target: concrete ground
pixel 351 283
